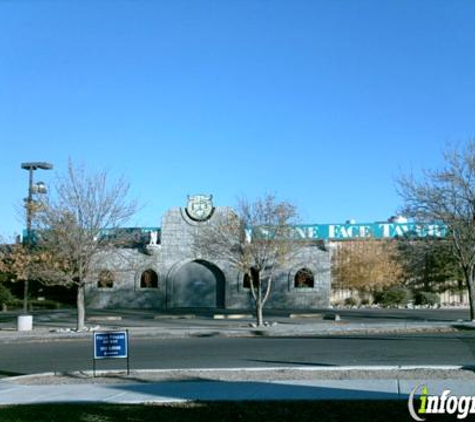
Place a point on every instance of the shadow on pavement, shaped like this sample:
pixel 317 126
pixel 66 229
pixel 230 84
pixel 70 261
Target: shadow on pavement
pixel 4 373
pixel 283 362
pixel 251 390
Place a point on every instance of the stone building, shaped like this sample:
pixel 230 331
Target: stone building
pixel 163 270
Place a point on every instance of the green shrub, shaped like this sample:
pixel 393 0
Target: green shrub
pixel 351 301
pixel 397 296
pixel 44 304
pixel 6 297
pixel 426 298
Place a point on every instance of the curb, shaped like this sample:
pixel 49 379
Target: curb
pixel 350 368
pixel 281 330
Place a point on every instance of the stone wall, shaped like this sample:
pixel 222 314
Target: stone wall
pixel 188 279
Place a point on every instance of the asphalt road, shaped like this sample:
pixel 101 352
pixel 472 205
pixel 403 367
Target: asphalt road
pixel 18 358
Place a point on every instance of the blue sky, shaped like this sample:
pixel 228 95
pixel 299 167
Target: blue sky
pixel 322 102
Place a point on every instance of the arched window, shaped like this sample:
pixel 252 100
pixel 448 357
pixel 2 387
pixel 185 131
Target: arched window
pixel 246 281
pixel 106 280
pixel 304 279
pixel 149 280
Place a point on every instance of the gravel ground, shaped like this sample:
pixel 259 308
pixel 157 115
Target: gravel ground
pixel 244 375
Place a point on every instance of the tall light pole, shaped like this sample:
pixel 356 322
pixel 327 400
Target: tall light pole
pixel 33 188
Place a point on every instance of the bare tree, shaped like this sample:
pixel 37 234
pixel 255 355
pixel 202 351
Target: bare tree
pixel 256 240
pixel 447 195
pixel 73 221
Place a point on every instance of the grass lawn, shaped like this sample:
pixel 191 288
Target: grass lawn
pixel 315 411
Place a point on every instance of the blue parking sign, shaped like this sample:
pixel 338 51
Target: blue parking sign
pixel 111 344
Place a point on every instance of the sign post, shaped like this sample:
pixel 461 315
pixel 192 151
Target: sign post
pixel 111 345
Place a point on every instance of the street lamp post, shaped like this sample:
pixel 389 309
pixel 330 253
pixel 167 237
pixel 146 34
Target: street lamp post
pixel 32 189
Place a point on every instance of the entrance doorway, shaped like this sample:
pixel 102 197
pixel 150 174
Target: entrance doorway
pixel 198 284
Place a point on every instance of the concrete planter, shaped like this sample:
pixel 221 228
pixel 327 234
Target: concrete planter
pixel 25 323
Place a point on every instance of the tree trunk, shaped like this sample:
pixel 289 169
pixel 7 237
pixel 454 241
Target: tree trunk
pixel 471 294
pixel 461 289
pixel 81 308
pixel 259 304
pixel 26 293
pixel 259 317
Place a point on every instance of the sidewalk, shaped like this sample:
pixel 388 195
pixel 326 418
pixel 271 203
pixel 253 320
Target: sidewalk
pixel 19 391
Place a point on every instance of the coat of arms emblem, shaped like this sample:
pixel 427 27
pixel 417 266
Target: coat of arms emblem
pixel 199 207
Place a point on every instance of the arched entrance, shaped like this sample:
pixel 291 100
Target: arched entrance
pixel 198 284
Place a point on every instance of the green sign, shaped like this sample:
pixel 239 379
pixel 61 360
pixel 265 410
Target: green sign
pixel 369 231
pixel 132 236
pixel 125 236
pixel 151 235
pixel 355 231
